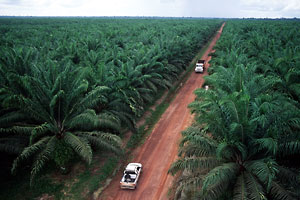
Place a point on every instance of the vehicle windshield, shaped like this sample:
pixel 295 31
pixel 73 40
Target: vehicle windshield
pixel 130 172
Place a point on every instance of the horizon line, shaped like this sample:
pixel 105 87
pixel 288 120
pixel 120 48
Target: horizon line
pixel 125 16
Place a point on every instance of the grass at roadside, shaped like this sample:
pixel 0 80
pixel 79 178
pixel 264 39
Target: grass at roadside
pixel 92 178
pixel 136 138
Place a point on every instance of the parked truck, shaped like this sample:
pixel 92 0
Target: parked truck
pixel 200 66
pixel 131 176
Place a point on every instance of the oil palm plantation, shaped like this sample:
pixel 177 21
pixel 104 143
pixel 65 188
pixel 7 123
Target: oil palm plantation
pixel 60 118
pixel 228 169
pixel 233 151
pixel 245 141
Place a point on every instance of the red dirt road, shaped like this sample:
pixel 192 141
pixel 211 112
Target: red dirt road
pixel 160 149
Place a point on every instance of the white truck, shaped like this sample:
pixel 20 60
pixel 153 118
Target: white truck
pixel 200 66
pixel 131 176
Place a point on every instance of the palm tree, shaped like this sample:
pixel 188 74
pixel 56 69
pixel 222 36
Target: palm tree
pixel 115 103
pixel 247 124
pixel 59 112
pixel 235 151
pixel 227 170
pixel 284 69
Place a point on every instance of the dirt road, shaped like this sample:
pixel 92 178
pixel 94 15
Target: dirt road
pixel 160 149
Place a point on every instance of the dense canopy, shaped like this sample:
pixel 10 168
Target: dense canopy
pixel 71 86
pixel 245 142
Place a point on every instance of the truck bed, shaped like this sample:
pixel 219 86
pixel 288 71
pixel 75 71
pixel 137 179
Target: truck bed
pixel 131 176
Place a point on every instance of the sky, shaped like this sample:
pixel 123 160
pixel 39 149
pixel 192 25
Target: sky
pixel 164 8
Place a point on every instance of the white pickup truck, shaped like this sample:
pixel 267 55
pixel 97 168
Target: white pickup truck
pixel 200 66
pixel 131 176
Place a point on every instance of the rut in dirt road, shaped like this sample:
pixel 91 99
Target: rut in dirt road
pixel 160 149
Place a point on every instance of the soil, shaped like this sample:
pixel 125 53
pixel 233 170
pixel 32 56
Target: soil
pixel 160 149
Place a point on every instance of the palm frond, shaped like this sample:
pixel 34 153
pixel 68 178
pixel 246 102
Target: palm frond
pixel 18 130
pixel 30 151
pixel 56 101
pixel 225 151
pixel 278 192
pixel 35 109
pixel 38 131
pixel 195 150
pixel 265 170
pixel 80 146
pixel 197 142
pixel 230 110
pixel 89 101
pixel 10 118
pixel 104 141
pixel 214 191
pixel 151 86
pixel 269 144
pixel 240 188
pixel 188 183
pixel 289 148
pixel 294 121
pixel 12 145
pixel 42 158
pixel 255 189
pixel 286 175
pixel 193 163
pixel 87 120
pixel 109 121
pixel 127 119
pixel 222 174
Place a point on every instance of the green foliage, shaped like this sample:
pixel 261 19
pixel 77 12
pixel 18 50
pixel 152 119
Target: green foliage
pixel 70 86
pixel 20 190
pixel 248 121
pixel 89 181
pixel 106 171
pixel 150 122
pixel 62 154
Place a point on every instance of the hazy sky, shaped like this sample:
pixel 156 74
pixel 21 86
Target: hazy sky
pixel 170 8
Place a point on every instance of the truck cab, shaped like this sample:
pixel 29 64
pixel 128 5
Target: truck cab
pixel 200 66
